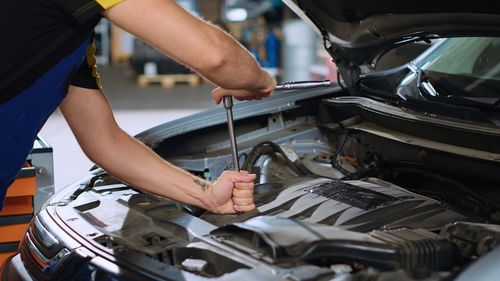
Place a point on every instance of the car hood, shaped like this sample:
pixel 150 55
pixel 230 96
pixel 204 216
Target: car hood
pixel 356 32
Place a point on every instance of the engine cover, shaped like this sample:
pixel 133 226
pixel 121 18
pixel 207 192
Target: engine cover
pixel 361 205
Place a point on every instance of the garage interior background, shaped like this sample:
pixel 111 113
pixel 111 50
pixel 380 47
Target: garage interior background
pixel 146 88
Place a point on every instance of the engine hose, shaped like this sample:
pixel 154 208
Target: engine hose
pixel 270 148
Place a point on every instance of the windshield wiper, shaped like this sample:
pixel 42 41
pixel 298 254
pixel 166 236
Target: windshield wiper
pixel 424 86
pixel 429 92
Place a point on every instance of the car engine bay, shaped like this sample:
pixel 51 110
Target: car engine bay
pixel 347 190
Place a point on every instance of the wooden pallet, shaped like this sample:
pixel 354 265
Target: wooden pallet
pixel 168 80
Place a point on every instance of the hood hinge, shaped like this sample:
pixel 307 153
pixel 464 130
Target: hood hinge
pixel 348 71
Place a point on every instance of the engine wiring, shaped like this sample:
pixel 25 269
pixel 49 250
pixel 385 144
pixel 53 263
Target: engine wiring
pixel 270 148
pixel 367 168
pixel 339 81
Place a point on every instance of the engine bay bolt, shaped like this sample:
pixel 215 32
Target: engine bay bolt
pixel 341 268
pixel 41 171
pixel 195 265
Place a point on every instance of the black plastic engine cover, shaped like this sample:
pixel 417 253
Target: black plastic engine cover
pixel 355 205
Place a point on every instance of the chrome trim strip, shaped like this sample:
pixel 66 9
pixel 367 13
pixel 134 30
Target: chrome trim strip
pixel 48 264
pixel 34 251
pixel 47 238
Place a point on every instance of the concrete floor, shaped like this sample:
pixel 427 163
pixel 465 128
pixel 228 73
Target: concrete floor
pixel 136 109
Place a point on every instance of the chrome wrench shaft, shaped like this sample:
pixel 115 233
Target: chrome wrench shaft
pixel 228 105
pixel 302 85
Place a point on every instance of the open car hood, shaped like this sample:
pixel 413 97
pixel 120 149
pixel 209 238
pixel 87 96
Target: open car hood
pixel 356 32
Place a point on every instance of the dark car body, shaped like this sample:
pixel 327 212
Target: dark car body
pixel 392 175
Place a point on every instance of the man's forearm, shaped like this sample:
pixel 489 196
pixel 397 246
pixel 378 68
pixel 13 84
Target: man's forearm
pixel 131 161
pixel 195 43
pixel 89 116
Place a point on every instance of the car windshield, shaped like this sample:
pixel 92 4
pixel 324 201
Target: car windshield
pixel 465 67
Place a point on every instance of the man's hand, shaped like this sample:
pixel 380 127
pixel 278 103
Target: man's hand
pixel 219 93
pixel 265 89
pixel 232 193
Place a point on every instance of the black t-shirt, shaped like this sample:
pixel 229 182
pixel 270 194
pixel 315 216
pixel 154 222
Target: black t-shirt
pixel 39 33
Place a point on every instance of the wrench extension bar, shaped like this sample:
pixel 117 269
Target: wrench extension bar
pixel 302 85
pixel 228 105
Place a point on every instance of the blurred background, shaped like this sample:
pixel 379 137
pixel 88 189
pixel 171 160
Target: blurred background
pixel 147 88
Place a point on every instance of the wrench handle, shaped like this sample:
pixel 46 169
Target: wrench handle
pixel 228 105
pixel 302 85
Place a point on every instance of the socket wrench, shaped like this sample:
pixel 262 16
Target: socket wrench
pixel 228 105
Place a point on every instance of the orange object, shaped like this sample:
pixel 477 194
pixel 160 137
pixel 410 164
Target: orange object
pixel 22 205
pixel 25 184
pixel 13 232
pixel 4 256
pixel 22 187
pixel 18 209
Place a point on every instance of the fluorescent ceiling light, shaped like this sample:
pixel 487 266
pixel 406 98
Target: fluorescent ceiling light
pixel 237 14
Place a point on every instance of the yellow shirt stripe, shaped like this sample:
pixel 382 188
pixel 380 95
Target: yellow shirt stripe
pixel 91 62
pixel 108 3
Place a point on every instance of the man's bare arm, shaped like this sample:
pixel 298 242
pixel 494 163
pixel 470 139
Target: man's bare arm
pixel 193 42
pixel 91 120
